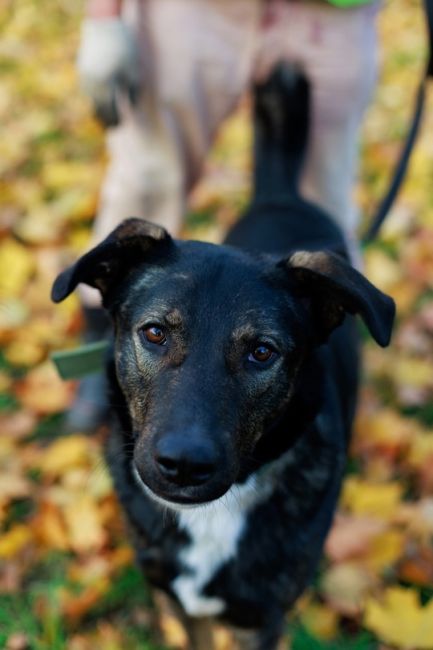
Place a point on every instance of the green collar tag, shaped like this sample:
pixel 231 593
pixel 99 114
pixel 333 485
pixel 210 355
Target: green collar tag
pixel 81 361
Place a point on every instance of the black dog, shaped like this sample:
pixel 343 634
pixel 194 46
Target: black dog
pixel 234 395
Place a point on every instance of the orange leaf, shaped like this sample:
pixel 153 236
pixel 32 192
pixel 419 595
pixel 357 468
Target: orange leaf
pixel 351 536
pixel 75 607
pixel 49 527
pixel 43 392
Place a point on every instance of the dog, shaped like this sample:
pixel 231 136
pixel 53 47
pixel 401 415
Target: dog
pixel 234 375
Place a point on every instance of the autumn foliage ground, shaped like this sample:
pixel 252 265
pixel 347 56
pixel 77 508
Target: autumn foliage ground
pixel 67 579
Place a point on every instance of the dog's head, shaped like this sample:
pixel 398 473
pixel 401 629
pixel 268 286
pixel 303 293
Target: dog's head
pixel 208 344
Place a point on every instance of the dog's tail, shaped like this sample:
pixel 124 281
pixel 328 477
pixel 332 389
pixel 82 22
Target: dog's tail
pixel 281 119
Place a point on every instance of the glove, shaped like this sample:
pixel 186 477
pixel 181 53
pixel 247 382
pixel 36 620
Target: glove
pixel 108 65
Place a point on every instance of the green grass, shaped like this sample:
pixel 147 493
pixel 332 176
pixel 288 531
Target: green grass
pixel 303 640
pixel 35 610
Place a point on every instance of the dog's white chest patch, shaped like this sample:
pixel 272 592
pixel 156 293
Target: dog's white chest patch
pixel 215 531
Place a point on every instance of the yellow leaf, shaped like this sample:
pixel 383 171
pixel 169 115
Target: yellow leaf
pixel 172 630
pixel 385 549
pixel 384 430
pixel 65 454
pixel 65 174
pixel 400 620
pixel 12 542
pixel 24 352
pixel 411 371
pixel 363 498
pixel 421 449
pixel 345 586
pixel 99 483
pixel 41 226
pixel 321 621
pixel 85 530
pixel 5 382
pixel 381 269
pixel 16 267
pixel 13 486
pixel 405 293
pixel 79 240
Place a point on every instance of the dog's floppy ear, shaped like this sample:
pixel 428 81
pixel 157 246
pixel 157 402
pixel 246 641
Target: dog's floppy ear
pixel 333 288
pixel 132 242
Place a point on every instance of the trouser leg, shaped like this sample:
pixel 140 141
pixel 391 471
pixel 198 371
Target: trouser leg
pixel 196 60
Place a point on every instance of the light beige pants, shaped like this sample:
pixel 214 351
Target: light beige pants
pixel 199 57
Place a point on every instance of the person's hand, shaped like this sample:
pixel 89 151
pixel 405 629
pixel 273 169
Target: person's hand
pixel 108 65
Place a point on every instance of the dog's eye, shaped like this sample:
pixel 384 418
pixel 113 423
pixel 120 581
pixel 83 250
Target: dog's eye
pixel 261 354
pixel 154 334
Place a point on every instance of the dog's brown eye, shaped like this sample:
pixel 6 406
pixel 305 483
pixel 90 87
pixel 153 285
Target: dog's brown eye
pixel 154 334
pixel 261 354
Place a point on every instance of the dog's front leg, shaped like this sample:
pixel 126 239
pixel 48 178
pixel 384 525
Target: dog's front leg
pixel 200 632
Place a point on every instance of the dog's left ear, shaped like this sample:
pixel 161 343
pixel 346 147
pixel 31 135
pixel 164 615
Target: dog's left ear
pixel 334 288
pixel 133 242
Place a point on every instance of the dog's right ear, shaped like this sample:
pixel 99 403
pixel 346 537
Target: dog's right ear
pixel 133 242
pixel 332 289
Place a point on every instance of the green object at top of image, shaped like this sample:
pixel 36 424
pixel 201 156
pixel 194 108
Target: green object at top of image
pixel 349 3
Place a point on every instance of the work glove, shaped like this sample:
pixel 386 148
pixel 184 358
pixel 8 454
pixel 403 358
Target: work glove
pixel 109 66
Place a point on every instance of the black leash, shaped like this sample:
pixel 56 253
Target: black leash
pixel 401 168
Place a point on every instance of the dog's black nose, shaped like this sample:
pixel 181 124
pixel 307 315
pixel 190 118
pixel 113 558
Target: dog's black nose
pixel 185 462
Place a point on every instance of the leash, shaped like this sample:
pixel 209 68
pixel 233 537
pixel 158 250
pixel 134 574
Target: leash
pixel 402 164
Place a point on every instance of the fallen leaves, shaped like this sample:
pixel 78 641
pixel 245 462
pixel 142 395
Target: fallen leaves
pixel 15 540
pixel 345 587
pixel 86 532
pixel 365 498
pixel 58 517
pixel 65 454
pixel 398 618
pixel 351 536
pixel 16 267
pixel 43 392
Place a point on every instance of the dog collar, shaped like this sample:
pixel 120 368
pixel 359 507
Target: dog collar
pixel 81 361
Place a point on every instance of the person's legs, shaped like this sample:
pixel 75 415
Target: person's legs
pixel 203 61
pixel 337 50
pixel 196 62
pixel 196 59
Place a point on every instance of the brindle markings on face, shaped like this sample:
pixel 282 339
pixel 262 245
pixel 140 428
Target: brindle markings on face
pixel 263 385
pixel 167 301
pixel 265 329
pixel 135 369
pixel 174 318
